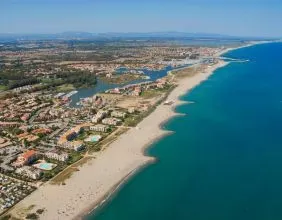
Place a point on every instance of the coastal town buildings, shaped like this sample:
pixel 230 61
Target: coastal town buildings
pixel 93 138
pixel 99 116
pixel 56 155
pixel 29 172
pixel 25 158
pixel 28 137
pixel 111 121
pixel 73 145
pixel 100 128
pixel 4 142
pixel 43 117
pixel 12 191
pixel 118 114
pixel 131 110
pixel 69 135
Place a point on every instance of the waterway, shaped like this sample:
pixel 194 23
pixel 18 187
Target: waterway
pixel 102 86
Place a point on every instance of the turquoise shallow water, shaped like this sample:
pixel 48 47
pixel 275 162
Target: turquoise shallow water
pixel 224 160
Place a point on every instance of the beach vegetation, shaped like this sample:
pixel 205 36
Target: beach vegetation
pixel 63 176
pixel 74 157
pixel 5 217
pixel 32 216
pixel 94 147
pixel 133 120
pixel 39 211
pixel 148 94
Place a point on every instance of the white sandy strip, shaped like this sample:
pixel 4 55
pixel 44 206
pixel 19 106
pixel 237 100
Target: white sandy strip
pixel 99 176
pixel 250 44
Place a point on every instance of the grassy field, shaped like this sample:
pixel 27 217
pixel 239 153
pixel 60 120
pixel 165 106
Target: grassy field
pixel 148 94
pixel 119 79
pixel 133 120
pixel 65 88
pixel 2 88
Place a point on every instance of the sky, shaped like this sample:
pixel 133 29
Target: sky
pixel 261 18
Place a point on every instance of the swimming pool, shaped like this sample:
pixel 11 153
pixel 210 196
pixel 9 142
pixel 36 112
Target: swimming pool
pixel 45 166
pixel 93 138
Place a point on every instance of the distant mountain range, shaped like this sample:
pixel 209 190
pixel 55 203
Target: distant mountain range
pixel 71 35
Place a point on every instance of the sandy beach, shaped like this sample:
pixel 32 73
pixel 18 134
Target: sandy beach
pixel 96 179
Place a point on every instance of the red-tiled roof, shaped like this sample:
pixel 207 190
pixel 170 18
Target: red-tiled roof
pixel 28 154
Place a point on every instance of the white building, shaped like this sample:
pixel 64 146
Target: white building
pixel 99 116
pixel 57 156
pixel 100 128
pixel 73 145
pixel 111 121
pixel 29 172
pixel 118 114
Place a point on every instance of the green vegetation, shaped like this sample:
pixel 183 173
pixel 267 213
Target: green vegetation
pixel 120 79
pixel 68 80
pixel 22 82
pixel 152 93
pixel 66 173
pixel 65 88
pixel 14 76
pixel 47 175
pixel 32 216
pixel 84 160
pixel 113 136
pixel 78 78
pixel 82 136
pixel 18 75
pixel 61 166
pixel 39 211
pixel 3 87
pixel 148 94
pixel 74 157
pixel 6 217
pixel 134 119
pixel 94 147
pixel 187 72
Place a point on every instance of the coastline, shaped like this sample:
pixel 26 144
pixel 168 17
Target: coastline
pixel 250 44
pixel 162 133
pixel 102 177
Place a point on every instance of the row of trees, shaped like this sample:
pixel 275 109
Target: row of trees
pixel 78 78
pixel 22 82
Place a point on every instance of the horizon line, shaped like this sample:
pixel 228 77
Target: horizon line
pixel 141 32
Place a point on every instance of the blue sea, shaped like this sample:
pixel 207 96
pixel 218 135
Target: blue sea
pixel 224 159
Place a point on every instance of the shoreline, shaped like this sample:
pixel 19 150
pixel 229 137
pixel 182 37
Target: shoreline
pixel 146 147
pixel 115 189
pixel 99 179
pixel 250 44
